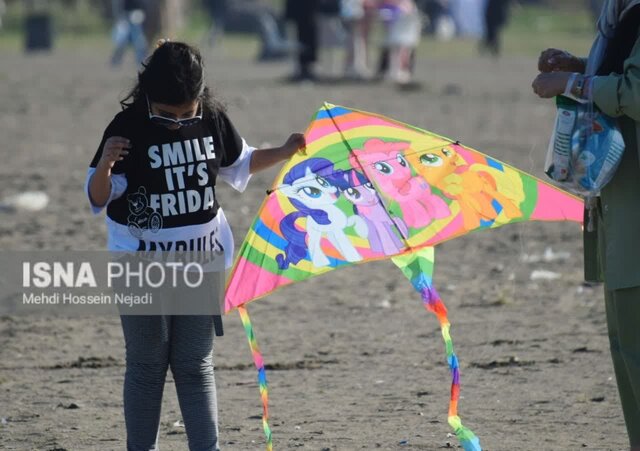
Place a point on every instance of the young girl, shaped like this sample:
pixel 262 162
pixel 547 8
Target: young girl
pixel 155 171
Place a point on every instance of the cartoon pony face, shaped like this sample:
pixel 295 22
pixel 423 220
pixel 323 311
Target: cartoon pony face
pixel 385 162
pixel 312 187
pixel 435 165
pixel 138 201
pixel 313 190
pixel 358 190
pixel 362 195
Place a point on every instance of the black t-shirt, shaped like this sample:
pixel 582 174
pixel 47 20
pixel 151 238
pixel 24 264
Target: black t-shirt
pixel 169 172
pixel 169 202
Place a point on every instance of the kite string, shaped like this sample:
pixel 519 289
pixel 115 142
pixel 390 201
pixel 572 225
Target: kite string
pixel 434 304
pixel 262 377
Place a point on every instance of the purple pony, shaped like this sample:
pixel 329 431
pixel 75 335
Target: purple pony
pixel 311 187
pixel 382 228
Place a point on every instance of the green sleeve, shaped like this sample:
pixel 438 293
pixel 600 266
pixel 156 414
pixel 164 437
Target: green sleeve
pixel 619 95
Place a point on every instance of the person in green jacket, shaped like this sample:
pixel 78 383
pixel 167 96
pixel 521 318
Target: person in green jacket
pixel 610 77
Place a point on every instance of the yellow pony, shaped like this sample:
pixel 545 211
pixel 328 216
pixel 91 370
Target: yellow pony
pixel 474 187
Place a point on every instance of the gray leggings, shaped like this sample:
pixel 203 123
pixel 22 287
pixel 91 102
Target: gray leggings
pixel 184 343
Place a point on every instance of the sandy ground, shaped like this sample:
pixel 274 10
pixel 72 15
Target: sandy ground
pixel 360 364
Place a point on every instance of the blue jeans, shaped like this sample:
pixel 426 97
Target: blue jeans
pixel 126 32
pixel 185 344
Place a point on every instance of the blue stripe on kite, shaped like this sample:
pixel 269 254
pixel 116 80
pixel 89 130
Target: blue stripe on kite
pixel 421 282
pixel 335 263
pixel 262 376
pixel 333 112
pixel 495 164
pixel 268 235
pixel 274 239
pixel 497 206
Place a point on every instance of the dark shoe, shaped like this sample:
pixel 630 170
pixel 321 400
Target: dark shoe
pixel 302 77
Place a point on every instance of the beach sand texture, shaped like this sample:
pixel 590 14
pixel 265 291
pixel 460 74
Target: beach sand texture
pixel 357 361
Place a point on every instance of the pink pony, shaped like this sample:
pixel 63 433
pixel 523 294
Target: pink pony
pixel 385 231
pixel 384 163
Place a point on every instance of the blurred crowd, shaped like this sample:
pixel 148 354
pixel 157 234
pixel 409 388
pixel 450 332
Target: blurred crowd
pixel 378 38
pixel 349 24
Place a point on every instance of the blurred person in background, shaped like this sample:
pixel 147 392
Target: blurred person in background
pixel 303 13
pixel 468 17
pixel 129 16
pixel 439 20
pixel 610 78
pixel 495 18
pixel 271 30
pixel 249 16
pixel 403 32
pixel 357 16
pixel 3 9
pixel 332 35
pixel 217 10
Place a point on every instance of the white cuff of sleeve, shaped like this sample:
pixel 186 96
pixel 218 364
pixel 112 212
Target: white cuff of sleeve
pixel 118 187
pixel 239 173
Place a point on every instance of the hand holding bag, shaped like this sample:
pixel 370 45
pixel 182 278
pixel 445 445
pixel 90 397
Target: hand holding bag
pixel 585 149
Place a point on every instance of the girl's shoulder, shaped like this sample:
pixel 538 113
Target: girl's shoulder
pixel 129 114
pixel 220 120
pixel 124 122
pixel 227 135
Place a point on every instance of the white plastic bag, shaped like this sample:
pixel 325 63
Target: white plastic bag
pixel 585 149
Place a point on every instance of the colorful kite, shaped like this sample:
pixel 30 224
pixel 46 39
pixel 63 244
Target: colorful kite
pixel 370 188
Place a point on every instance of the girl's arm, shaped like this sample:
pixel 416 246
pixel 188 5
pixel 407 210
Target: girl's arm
pixel 265 158
pixel 115 149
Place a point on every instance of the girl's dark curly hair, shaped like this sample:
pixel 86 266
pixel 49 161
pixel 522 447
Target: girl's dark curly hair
pixel 173 75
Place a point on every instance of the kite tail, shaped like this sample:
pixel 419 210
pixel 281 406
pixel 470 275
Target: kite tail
pixel 434 304
pixel 418 268
pixel 262 377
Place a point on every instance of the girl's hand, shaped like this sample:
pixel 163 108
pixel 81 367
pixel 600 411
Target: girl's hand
pixel 554 60
pixel 548 85
pixel 295 142
pixel 115 149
